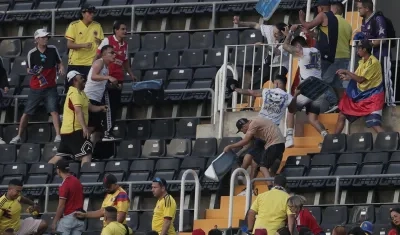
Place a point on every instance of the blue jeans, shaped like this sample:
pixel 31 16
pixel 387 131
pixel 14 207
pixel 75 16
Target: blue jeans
pixel 69 225
pixel 36 96
pixel 329 76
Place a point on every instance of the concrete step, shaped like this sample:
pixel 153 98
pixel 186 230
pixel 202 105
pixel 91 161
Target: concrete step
pixel 209 224
pixel 328 118
pixel 307 142
pixel 310 130
pixel 221 214
pixel 238 202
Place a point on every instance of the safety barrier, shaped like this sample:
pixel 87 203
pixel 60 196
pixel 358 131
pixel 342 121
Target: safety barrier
pixel 182 182
pixel 336 178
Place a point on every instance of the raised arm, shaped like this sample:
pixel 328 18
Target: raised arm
pixel 296 51
pixel 255 93
pixel 253 25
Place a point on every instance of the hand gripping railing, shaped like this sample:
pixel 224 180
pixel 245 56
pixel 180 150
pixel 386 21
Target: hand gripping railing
pixel 196 196
pixel 231 192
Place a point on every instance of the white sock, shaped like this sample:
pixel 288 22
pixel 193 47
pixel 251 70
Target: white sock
pixel 324 133
pixel 289 131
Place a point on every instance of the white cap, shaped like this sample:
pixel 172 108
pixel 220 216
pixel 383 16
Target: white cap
pixel 72 74
pixel 41 33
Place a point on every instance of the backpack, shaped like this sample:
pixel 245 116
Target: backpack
pixel 390 32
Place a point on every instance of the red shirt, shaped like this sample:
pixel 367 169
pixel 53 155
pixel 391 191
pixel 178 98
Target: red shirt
pixel 306 219
pixel 121 55
pixel 49 60
pixel 71 189
pixel 392 232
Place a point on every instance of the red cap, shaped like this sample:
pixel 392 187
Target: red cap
pixel 198 232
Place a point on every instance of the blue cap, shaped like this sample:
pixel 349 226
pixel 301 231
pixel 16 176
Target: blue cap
pixel 324 3
pixel 367 227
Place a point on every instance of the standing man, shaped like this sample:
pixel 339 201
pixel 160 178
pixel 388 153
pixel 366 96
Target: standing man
pixel 115 197
pixel 165 209
pixel 95 87
pixel 10 212
pixel 83 37
pixel 116 69
pixel 113 227
pixel 43 62
pixel 70 201
pixel 374 27
pixel 271 216
pixel 75 135
pixel 264 129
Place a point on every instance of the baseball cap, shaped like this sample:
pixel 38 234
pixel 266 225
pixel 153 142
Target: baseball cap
pixel 41 33
pixel 161 181
pixel 367 226
pixel 198 231
pixel 109 180
pixel 240 123
pixel 88 8
pixel 62 165
pixel 324 3
pixel 72 74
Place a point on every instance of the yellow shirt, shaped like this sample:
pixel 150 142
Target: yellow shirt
pixel 10 214
pixel 119 199
pixel 115 228
pixel 371 70
pixel 344 37
pixel 79 33
pixel 272 210
pixel 165 209
pixel 74 98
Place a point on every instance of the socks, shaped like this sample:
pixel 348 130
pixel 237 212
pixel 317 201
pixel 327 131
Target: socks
pixel 289 131
pixel 324 133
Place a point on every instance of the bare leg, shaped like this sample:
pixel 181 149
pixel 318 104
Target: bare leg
pixel 340 123
pixel 313 119
pixel 56 122
pixel 22 123
pixel 42 228
pixel 87 158
pixel 55 159
pixel 247 161
pixel 378 129
pixel 266 174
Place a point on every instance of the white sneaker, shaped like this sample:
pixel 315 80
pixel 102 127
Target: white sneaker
pixel 15 140
pixel 332 109
pixel 243 193
pixel 109 138
pixel 57 139
pixel 2 141
pixel 289 141
pixel 241 180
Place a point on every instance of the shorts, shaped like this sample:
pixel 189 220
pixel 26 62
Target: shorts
pixel 271 157
pixel 71 225
pixel 371 120
pixel 29 226
pixel 312 106
pixel 83 69
pixel 36 96
pixel 74 144
pixel 96 119
pixel 329 72
pixel 257 148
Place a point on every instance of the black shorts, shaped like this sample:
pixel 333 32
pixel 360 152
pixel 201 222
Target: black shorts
pixel 257 149
pixel 74 145
pixel 271 157
pixel 96 119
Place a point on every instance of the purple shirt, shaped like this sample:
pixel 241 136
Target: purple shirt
pixel 380 32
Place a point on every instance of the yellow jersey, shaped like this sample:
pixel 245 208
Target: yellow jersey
pixel 115 228
pixel 10 214
pixel 70 121
pixel 79 33
pixel 271 216
pixel 165 209
pixel 119 199
pixel 371 70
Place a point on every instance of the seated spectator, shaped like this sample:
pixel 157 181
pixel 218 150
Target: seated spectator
pixel 303 216
pixel 395 217
pixel 368 227
pixel 339 230
pixel 113 227
pixel 365 94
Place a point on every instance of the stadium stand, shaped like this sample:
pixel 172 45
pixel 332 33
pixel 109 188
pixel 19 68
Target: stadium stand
pixel 165 140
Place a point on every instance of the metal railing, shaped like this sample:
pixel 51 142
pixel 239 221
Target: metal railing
pixel 182 182
pixel 213 97
pixel 336 178
pixel 232 189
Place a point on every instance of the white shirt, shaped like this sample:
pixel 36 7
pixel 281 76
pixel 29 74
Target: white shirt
pixel 310 63
pixel 95 89
pixel 275 102
pixel 268 32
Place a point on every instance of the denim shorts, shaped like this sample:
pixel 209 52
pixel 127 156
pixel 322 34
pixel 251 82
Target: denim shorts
pixel 71 225
pixel 329 72
pixel 35 96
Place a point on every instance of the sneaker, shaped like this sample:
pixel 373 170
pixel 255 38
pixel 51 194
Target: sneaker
pixel 15 140
pixel 243 193
pixel 57 139
pixel 241 179
pixel 109 138
pixel 332 109
pixel 2 141
pixel 289 141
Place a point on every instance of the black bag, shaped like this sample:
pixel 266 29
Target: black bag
pixel 148 92
pixel 390 31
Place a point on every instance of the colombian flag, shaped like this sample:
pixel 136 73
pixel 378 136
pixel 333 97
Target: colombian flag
pixel 361 103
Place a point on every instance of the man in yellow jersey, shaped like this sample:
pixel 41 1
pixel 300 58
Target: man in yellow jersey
pixel 116 197
pixel 75 135
pixel 113 227
pixel 10 212
pixel 271 209
pixel 165 210
pixel 84 36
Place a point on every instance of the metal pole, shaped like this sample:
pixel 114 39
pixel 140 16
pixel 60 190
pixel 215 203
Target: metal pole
pixel 196 196
pixel 53 22
pixel 222 94
pixel 231 192
pixel 15 109
pixel 308 12
pixel 133 19
pixel 337 190
pixel 46 199
pixel 213 15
